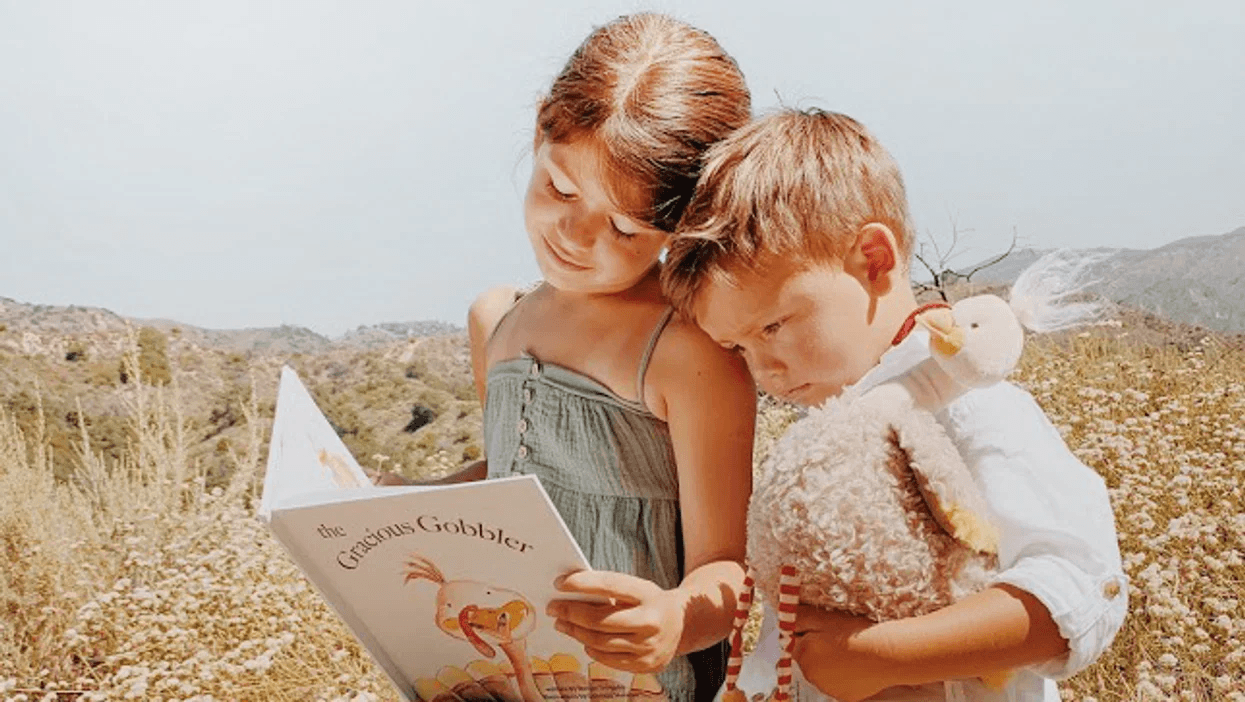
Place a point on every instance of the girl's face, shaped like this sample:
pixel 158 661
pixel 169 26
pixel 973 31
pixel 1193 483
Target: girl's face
pixel 582 240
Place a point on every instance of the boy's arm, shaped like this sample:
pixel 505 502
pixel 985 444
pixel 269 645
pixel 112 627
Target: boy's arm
pixel 1060 596
pixel 1059 542
pixel 1000 628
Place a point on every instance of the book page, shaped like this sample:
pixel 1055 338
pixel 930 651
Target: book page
pixel 305 454
pixel 450 585
pixel 446 586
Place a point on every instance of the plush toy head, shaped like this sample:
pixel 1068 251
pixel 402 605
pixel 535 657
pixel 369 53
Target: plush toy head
pixel 977 342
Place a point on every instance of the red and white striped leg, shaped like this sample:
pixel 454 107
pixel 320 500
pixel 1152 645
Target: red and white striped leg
pixel 788 600
pixel 732 692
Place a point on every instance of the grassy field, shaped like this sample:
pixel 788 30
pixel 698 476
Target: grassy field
pixel 141 576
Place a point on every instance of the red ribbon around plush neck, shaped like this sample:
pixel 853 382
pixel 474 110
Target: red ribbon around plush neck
pixel 908 324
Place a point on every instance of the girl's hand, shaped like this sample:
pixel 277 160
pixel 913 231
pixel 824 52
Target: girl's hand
pixel 385 478
pixel 639 631
pixel 829 651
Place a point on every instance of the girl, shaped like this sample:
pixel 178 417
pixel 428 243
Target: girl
pixel 639 426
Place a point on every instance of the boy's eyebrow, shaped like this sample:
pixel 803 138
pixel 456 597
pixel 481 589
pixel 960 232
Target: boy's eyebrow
pixel 748 329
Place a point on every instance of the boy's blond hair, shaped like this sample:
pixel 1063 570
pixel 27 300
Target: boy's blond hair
pixel 797 184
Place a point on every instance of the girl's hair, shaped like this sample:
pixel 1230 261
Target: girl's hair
pixel 651 93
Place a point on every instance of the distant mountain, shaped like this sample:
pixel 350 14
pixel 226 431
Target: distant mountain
pixel 34 322
pixel 380 334
pixel 1199 280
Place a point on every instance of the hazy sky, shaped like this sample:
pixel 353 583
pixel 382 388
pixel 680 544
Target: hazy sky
pixel 231 164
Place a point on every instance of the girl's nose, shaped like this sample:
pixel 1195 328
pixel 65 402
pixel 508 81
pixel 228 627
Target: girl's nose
pixel 575 232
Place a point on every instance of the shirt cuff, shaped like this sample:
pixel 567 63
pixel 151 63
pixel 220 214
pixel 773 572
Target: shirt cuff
pixel 1088 609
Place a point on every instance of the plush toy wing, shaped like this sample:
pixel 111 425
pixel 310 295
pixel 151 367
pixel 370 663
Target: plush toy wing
pixel 945 482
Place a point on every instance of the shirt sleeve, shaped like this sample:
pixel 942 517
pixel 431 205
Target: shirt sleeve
pixel 1057 530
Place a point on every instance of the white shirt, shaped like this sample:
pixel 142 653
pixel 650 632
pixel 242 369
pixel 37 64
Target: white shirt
pixel 1057 536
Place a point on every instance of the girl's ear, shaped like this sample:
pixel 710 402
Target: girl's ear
pixel 877 255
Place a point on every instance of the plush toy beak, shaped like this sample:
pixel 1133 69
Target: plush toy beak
pixel 944 336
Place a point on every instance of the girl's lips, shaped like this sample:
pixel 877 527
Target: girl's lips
pixel 563 260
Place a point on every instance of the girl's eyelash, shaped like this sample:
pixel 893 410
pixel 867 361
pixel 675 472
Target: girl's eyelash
pixel 771 328
pixel 553 189
pixel 627 236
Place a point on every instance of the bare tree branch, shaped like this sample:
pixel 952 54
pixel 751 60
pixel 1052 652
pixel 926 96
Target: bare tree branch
pixel 939 265
pixel 1010 248
pixel 936 278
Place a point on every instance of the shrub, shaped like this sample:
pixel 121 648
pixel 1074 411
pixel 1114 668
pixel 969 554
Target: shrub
pixel 420 417
pixel 76 352
pixel 150 359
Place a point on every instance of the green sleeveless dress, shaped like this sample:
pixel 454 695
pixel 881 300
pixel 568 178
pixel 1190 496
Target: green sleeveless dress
pixel 608 466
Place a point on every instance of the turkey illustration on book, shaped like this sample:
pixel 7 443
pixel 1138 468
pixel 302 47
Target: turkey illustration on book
pixel 483 615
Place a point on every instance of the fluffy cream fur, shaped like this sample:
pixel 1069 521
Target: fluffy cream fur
pixel 860 497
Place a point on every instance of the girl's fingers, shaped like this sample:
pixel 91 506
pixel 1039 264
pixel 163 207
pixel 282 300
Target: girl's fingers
pixel 619 587
pixel 618 661
pixel 600 618
pixel 597 640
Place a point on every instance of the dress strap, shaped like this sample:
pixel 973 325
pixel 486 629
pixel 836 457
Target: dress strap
pixel 648 353
pixel 519 293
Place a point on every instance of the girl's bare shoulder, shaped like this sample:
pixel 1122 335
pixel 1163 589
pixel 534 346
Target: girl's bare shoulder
pixel 687 363
pixel 487 310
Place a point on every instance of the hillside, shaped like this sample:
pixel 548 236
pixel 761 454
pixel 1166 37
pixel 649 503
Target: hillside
pixel 44 323
pixel 410 400
pixel 1198 280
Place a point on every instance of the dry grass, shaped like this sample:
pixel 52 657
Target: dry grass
pixel 138 580
pixel 1163 428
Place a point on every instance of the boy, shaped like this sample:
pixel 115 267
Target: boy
pixel 794 252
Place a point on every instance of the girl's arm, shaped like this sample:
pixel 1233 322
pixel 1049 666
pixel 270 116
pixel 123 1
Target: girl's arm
pixel 710 405
pixel 482 317
pixel 709 402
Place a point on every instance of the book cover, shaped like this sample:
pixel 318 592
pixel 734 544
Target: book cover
pixel 446 586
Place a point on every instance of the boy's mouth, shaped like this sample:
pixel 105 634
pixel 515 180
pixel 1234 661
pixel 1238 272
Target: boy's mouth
pixel 794 394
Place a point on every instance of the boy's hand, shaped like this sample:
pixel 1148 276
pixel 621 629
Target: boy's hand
pixel 639 631
pixel 830 655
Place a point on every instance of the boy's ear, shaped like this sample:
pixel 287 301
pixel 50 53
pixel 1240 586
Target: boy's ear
pixel 875 252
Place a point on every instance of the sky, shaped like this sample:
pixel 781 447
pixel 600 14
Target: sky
pixel 240 163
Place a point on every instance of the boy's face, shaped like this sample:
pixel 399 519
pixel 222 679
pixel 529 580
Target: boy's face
pixel 804 330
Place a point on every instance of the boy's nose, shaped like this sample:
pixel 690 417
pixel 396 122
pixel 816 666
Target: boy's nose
pixel 767 369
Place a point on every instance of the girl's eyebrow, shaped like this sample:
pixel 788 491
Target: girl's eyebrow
pixel 552 165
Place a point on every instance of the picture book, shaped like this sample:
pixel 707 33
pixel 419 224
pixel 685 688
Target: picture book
pixel 445 586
